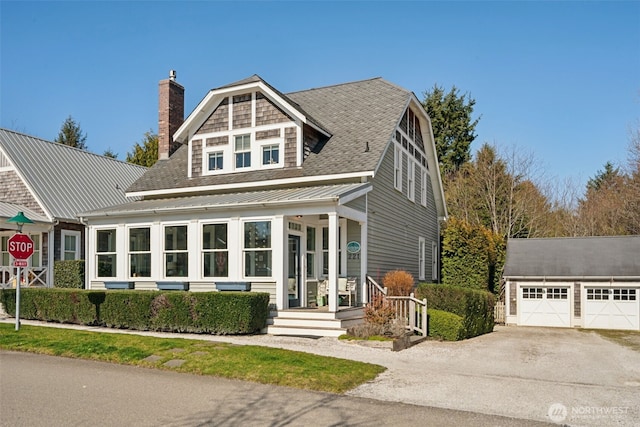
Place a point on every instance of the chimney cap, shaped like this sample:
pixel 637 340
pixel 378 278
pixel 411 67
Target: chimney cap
pixel 172 75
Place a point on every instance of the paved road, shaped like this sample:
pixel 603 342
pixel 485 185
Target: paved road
pixel 38 390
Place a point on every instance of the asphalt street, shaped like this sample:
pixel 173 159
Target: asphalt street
pixel 37 390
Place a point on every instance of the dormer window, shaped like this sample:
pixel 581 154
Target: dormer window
pixel 271 154
pixel 216 161
pixel 243 151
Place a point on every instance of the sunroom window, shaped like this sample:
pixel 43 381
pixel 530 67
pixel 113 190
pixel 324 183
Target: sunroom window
pixel 243 151
pixel 106 253
pixel 215 256
pixel 140 252
pixel 175 251
pixel 257 249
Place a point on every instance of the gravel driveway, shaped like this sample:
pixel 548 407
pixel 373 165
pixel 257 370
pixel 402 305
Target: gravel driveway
pixel 567 376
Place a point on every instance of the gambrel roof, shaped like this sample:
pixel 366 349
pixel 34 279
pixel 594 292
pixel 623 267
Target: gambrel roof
pixel 65 180
pixel 573 257
pixel 361 118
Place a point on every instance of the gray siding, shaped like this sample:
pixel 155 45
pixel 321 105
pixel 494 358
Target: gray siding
pixel 396 223
pixel 359 204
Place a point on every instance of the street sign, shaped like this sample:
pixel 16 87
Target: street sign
pixel 20 263
pixel 20 246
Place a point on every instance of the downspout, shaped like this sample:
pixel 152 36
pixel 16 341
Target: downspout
pixel 51 252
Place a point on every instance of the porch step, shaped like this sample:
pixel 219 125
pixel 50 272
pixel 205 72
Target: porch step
pixel 316 323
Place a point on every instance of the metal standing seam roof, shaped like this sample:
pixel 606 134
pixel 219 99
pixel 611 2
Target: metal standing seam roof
pixel 9 210
pixel 355 113
pixel 298 195
pixel 67 180
pixel 573 257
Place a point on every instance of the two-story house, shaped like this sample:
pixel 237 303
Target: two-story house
pixel 301 195
pixel 51 183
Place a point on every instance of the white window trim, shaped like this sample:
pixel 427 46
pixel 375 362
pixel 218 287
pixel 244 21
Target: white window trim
pixel 96 254
pixel 177 251
pixel 271 248
pixel 128 243
pixel 251 151
pixel 207 157
pixel 203 251
pixel 397 167
pixel 422 258
pixel 63 248
pixel 411 179
pixel 279 142
pixel 434 261
pixel 423 189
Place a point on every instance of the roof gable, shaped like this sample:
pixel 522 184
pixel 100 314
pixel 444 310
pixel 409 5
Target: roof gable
pixel 575 257
pixel 66 180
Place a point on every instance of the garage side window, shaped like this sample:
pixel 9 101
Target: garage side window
pixel 532 293
pixel 597 294
pixel 624 294
pixel 556 293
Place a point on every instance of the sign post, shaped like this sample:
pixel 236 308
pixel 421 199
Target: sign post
pixel 20 247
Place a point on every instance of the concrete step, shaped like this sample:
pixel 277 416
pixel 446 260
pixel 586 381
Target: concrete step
pixel 305 331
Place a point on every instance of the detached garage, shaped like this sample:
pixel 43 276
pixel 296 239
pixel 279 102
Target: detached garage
pixel 589 282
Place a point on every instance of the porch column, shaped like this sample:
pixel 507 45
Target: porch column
pixel 279 242
pixel 363 263
pixel 333 262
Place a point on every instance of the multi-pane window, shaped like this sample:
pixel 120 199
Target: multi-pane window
pixel 216 161
pixel 423 188
pixel 597 294
pixel 411 180
pixel 70 245
pixel 140 252
pixel 422 256
pixel 35 258
pixel 556 293
pixel 532 293
pixel 624 294
pixel 311 251
pixel 175 251
pixel 397 174
pixel 243 151
pixel 257 249
pixel 215 254
pixel 325 250
pixel 106 253
pixel 270 154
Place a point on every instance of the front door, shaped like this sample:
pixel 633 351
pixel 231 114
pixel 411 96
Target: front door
pixel 294 271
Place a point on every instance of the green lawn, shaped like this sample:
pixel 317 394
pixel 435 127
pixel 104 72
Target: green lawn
pixel 243 362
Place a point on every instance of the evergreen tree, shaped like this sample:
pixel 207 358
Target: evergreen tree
pixel 109 153
pixel 71 134
pixel 145 153
pixel 453 127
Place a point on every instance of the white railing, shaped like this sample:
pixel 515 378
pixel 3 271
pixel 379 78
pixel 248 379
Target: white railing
pixel 407 308
pixel 30 277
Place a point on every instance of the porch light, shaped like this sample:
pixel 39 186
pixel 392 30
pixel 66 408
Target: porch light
pixel 19 220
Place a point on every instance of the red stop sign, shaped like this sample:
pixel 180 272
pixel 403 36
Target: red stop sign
pixel 20 246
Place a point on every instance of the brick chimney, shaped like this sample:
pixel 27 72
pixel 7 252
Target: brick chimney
pixel 170 114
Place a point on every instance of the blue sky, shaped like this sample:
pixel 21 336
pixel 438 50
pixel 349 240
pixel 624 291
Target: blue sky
pixel 558 79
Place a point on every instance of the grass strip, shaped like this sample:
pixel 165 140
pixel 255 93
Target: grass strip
pixel 243 362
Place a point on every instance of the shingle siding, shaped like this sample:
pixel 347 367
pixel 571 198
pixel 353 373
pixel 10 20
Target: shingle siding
pixel 218 120
pixel 290 150
pixel 242 111
pixel 196 160
pixel 13 190
pixel 267 113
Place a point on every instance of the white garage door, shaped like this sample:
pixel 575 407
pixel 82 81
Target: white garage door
pixel 612 308
pixel 544 306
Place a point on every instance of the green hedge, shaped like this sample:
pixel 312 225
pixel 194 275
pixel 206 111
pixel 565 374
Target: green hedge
pixel 69 274
pixel 198 312
pixel 475 307
pixel 445 325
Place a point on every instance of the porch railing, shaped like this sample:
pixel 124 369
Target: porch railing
pixel 30 277
pixel 410 310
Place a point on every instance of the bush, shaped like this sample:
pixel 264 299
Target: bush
pixel 379 311
pixel 69 274
pixel 475 307
pixel 445 325
pixel 398 283
pixel 201 312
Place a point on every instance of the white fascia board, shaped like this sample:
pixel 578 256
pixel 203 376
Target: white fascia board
pixel 432 157
pixel 208 104
pixel 251 184
pixel 346 198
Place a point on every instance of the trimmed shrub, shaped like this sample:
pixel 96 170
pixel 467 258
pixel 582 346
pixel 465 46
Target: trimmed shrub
pixel 398 283
pixel 445 325
pixel 199 312
pixel 69 274
pixel 475 307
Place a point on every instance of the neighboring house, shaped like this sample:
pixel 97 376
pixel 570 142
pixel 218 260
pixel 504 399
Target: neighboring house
pixel 299 195
pixel 588 282
pixel 51 183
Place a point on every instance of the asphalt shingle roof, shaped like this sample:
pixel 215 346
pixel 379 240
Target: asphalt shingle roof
pixel 67 180
pixel 574 257
pixel 354 113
